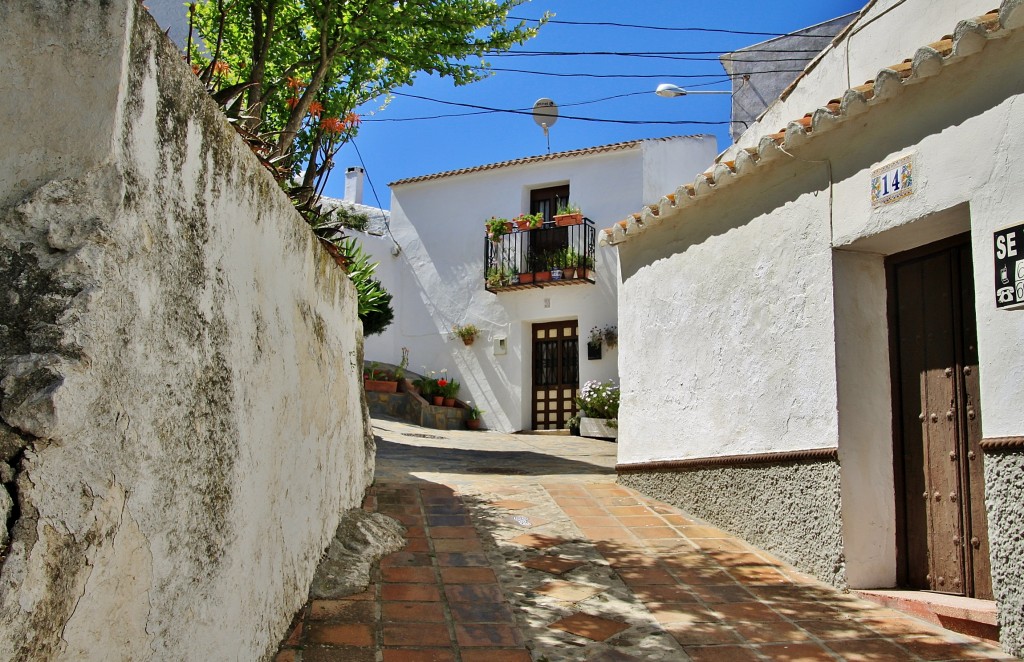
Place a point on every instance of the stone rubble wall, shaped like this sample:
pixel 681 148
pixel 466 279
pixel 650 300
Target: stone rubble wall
pixel 182 412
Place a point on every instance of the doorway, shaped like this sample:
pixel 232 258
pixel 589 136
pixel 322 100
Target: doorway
pixel 941 523
pixel 555 380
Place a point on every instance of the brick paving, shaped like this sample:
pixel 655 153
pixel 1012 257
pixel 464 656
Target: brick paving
pixel 554 561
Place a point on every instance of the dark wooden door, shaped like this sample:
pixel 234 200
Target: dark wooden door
pixel 942 527
pixel 556 363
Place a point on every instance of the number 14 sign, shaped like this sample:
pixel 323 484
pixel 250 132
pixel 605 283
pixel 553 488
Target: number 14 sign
pixel 893 181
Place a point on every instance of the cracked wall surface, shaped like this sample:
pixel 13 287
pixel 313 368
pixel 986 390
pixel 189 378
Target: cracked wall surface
pixel 182 420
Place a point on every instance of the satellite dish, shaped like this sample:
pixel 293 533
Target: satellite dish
pixel 545 114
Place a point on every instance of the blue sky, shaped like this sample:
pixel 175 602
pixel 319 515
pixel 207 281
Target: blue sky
pixel 393 150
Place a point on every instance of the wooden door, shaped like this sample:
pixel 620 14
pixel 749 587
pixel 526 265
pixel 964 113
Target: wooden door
pixel 942 527
pixel 555 374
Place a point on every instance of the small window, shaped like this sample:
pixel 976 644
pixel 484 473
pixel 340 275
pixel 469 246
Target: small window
pixel 550 240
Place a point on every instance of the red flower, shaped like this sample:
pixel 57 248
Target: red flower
pixel 292 102
pixel 442 383
pixel 296 83
pixel 352 119
pixel 316 108
pixel 332 125
pixel 221 67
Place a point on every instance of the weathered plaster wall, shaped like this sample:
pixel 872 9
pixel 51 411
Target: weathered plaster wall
pixel 180 395
pixel 437 278
pixel 1004 496
pixel 791 510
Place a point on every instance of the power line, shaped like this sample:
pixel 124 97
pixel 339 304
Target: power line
pixel 664 28
pixel 567 117
pixel 663 75
pixel 685 56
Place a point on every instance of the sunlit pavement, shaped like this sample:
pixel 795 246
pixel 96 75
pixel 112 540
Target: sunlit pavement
pixel 523 547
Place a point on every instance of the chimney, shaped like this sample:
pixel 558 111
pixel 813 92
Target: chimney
pixel 354 185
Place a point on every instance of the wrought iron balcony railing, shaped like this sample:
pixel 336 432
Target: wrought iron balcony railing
pixel 546 256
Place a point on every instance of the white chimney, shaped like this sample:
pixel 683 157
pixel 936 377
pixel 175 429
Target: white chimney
pixel 354 185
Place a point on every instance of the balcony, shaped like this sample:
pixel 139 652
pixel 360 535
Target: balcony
pixel 548 256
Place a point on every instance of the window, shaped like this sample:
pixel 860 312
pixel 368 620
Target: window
pixel 545 243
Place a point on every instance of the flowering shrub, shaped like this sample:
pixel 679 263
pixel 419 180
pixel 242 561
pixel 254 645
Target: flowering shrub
pixel 599 400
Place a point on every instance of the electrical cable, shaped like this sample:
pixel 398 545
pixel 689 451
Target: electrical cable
pixel 373 189
pixel 567 117
pixel 679 76
pixel 811 51
pixel 664 28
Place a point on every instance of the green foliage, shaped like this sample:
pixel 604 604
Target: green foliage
pixel 599 400
pixel 466 331
pixel 286 67
pixel 496 228
pixel 568 208
pixel 375 310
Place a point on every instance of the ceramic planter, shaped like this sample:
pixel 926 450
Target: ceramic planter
pixel 473 424
pixel 526 277
pixel 380 386
pixel 438 400
pixel 449 402
pixel 598 428
pixel 563 220
pixel 541 276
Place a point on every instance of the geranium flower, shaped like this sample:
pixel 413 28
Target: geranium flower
pixel 442 382
pixel 316 108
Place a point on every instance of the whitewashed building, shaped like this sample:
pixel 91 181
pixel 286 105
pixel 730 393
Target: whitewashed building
pixel 531 355
pixel 821 336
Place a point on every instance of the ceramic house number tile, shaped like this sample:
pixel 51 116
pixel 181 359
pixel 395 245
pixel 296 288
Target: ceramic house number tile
pixel 893 181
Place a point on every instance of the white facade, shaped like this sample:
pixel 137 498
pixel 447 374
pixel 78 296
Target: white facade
pixel 755 320
pixel 434 266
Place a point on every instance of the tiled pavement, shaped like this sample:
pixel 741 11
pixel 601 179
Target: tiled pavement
pixel 548 559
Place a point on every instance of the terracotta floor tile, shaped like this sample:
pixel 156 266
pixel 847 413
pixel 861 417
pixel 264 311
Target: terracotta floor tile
pixel 595 521
pixel 643 521
pixel 496 655
pixel 568 591
pixel 415 532
pixel 446 509
pixel 409 519
pixel 492 635
pixel 473 593
pixel 405 558
pixel 416 545
pixel 697 634
pixel 340 634
pixel 458 545
pixel 536 541
pixel 350 611
pixel 677 520
pixel 896 626
pixel 720 544
pixel 762 575
pixel 435 521
pixel 678 545
pixel 583 511
pixel 437 532
pixel 410 593
pixel 629 511
pixel 646 576
pixel 701 576
pixel 554 565
pixel 836 629
pixel 468 576
pixel 938 648
pixel 681 613
pixel 609 533
pixel 482 612
pixel 415 634
pixel 592 627
pixel 617 501
pixel 722 593
pixel 294 637
pixel 767 632
pixel 745 611
pixel 286 656
pixel 868 650
pixel 408 575
pixel 412 612
pixel 512 504
pixel 462 559
pixel 663 593
pixel 726 653
pixel 422 655
pixel 342 654
pixel 801 652
pixel 700 531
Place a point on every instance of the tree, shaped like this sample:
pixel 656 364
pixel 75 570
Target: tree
pixel 293 71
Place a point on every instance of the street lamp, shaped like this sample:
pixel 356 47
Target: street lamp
pixel 669 90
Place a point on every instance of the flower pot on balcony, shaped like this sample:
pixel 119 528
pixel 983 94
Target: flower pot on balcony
pixel 449 402
pixel 563 220
pixel 556 274
pixel 526 277
pixel 438 400
pixel 541 276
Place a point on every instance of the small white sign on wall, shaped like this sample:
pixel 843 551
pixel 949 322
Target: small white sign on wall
pixel 893 181
pixel 1008 247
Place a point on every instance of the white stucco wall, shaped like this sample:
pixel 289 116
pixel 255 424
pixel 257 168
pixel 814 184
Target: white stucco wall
pixel 716 363
pixel 437 278
pixel 180 359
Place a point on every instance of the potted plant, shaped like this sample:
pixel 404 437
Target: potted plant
pixel 473 414
pixel 611 336
pixel 427 386
pixel 467 332
pixel 378 380
pixel 437 397
pixel 497 228
pixel 568 214
pixel 599 410
pixel 449 390
pixel 540 263
pixel 528 221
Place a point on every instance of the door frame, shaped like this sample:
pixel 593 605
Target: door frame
pixel 530 400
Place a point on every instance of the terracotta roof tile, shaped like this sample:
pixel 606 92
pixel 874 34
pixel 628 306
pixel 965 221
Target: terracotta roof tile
pixel 967 39
pixel 613 147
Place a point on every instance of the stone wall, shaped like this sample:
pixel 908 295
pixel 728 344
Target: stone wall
pixel 1004 499
pixel 791 510
pixel 181 405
